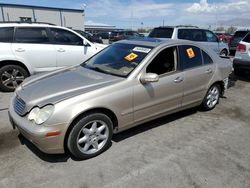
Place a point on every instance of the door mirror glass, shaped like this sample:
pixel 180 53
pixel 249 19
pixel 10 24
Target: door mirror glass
pixel 149 77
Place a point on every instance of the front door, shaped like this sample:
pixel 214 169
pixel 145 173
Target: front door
pixel 69 48
pixel 160 97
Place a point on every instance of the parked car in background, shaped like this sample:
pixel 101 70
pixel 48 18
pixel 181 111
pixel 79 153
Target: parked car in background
pixel 224 37
pixel 90 37
pixel 102 35
pixel 192 33
pixel 236 38
pixel 30 48
pixel 122 35
pixel 128 83
pixel 241 62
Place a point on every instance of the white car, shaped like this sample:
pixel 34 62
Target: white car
pixel 193 33
pixel 30 48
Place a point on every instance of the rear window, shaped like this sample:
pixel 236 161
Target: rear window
pixel 161 33
pixel 247 38
pixel 6 34
pixel 240 33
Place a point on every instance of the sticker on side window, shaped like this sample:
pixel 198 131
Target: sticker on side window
pixel 190 53
pixel 131 56
pixel 141 49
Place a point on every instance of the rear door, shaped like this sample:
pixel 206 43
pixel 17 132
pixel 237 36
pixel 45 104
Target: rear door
pixel 69 48
pixel 6 39
pixel 33 46
pixel 196 74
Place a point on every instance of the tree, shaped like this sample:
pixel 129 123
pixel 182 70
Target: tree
pixel 220 29
pixel 231 30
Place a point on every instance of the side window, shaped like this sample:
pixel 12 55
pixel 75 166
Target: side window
pixel 190 56
pixel 198 35
pixel 32 35
pixel 184 34
pixel 206 58
pixel 211 37
pixel 164 62
pixel 6 34
pixel 247 38
pixel 65 37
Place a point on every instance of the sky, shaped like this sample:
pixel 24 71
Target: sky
pixel 151 13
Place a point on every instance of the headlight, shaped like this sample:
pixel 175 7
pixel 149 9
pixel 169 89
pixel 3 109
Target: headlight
pixel 40 115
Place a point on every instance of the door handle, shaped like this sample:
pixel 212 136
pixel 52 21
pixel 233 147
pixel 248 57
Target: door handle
pixel 61 50
pixel 178 79
pixel 208 71
pixel 20 50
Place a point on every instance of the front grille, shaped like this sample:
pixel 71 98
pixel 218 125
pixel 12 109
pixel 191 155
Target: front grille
pixel 19 106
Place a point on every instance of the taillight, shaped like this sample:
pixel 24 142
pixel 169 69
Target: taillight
pixel 241 48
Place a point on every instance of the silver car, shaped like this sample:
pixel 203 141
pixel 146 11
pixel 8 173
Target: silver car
pixel 128 83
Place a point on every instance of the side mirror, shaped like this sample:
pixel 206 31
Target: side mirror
pixel 85 43
pixel 149 77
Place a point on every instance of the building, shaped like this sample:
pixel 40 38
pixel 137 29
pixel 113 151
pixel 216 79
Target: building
pixel 94 28
pixel 71 18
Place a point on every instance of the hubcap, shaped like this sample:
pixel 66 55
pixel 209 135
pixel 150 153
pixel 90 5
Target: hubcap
pixel 12 78
pixel 212 97
pixel 92 137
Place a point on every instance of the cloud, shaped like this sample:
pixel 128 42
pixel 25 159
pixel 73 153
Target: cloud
pixel 205 7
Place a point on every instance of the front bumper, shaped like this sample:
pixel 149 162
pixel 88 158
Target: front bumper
pixel 37 133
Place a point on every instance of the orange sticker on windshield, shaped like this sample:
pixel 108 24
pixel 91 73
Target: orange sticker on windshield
pixel 190 53
pixel 131 56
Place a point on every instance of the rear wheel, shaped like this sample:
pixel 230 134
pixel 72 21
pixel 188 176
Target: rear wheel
pixel 11 76
pixel 212 97
pixel 90 136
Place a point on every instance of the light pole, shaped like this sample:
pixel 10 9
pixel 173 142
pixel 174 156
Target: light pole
pixel 84 14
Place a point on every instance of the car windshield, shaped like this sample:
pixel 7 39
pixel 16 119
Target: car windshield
pixel 161 33
pixel 118 59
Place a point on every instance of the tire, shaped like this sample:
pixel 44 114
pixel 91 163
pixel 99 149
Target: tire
pixel 212 97
pixel 90 136
pixel 11 76
pixel 224 52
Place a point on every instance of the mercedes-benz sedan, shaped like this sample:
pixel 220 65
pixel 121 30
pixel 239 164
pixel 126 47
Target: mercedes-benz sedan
pixel 128 83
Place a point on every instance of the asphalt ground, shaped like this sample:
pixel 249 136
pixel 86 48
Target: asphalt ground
pixel 187 149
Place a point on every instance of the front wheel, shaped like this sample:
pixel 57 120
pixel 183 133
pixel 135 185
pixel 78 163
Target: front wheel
pixel 212 97
pixel 90 136
pixel 11 76
pixel 224 52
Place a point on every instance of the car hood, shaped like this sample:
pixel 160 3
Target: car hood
pixel 60 85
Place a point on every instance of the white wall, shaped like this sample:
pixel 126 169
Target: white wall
pixel 48 16
pixel 73 20
pixel 1 14
pixel 14 14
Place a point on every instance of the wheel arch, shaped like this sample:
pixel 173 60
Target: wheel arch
pixel 14 62
pixel 222 88
pixel 105 111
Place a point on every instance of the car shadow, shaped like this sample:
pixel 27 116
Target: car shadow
pixel 153 124
pixel 60 158
pixel 52 158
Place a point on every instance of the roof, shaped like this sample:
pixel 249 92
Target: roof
pixel 39 7
pixel 152 42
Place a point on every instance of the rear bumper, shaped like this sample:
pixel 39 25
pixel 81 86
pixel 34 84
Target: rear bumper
pixel 241 65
